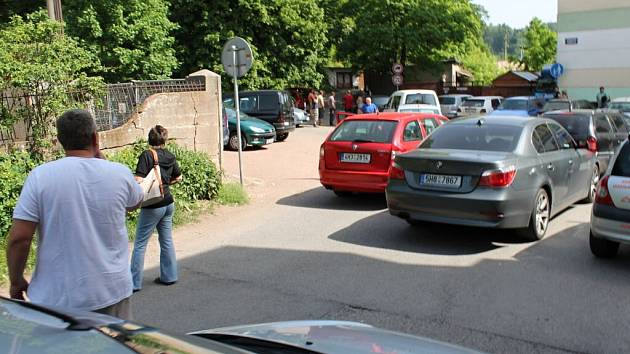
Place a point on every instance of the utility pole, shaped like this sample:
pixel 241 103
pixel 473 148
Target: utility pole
pixel 54 10
pixel 505 45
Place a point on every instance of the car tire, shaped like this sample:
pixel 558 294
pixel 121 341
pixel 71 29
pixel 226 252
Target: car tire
pixel 282 137
pixel 539 220
pixel 233 142
pixel 602 248
pixel 342 194
pixel 593 183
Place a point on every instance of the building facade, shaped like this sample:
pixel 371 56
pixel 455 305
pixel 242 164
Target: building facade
pixel 594 47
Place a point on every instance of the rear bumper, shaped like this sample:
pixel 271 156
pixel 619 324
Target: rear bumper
pixel 483 207
pixel 610 223
pixel 354 181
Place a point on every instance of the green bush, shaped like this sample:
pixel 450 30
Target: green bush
pixel 14 168
pixel 232 194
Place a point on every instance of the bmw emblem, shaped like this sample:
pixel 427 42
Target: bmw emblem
pixel 438 164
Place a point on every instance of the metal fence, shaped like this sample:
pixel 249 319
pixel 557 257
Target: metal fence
pixel 121 101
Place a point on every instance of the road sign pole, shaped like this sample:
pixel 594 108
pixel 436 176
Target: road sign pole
pixel 238 115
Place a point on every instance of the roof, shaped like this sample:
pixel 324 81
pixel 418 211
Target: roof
pixel 526 75
pixel 391 116
pixel 518 121
pixel 521 98
pixel 457 95
pixel 621 99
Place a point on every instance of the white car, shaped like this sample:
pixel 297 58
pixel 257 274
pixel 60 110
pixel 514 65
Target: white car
pixel 300 117
pixel 450 103
pixel 418 108
pixel 479 105
pixel 610 217
pixel 414 97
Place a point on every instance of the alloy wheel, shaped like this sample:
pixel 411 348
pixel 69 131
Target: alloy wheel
pixel 594 182
pixel 542 213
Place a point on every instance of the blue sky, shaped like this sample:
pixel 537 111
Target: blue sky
pixel 518 13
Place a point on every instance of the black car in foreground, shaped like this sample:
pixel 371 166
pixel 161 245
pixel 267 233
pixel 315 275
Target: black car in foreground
pixel 499 172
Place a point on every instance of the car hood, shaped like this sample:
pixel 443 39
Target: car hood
pixel 250 122
pixel 337 337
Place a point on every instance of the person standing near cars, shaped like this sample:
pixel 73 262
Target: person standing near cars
pixel 359 103
pixel 321 104
pixel 348 101
pixel 78 205
pixel 312 103
pixel 602 98
pixel 332 105
pixel 369 107
pixel 159 215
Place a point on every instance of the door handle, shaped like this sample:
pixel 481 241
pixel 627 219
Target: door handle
pixel 570 162
pixel 550 167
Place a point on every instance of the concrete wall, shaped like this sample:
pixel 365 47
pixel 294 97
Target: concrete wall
pixel 192 118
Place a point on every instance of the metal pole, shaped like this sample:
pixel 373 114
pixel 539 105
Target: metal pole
pixel 238 115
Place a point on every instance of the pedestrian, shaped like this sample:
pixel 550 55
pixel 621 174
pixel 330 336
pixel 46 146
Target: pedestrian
pixel 602 98
pixel 348 101
pixel 369 107
pixel 78 206
pixel 332 105
pixel 359 109
pixel 321 103
pixel 158 215
pixel 314 111
pixel 564 95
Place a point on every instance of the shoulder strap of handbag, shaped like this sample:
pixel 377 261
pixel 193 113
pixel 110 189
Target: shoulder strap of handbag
pixel 156 167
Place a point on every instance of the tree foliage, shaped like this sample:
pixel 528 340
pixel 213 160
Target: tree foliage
pixel 540 45
pixel 44 73
pixel 288 38
pixel 132 38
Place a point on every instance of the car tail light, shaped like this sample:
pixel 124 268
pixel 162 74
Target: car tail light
pixel 396 172
pixel 603 196
pixel 483 110
pixel 498 178
pixel 592 144
pixel 322 151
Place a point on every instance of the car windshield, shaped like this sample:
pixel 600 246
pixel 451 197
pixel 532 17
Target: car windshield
pixel 515 105
pixel 499 138
pixel 622 164
pixel 370 131
pixel 576 124
pixel 420 98
pixel 418 110
pixel 622 106
pixel 232 114
pixel 557 106
pixel 447 100
pixel 473 103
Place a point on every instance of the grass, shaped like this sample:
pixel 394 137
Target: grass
pixel 232 194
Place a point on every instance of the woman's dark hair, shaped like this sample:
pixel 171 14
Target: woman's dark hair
pixel 158 136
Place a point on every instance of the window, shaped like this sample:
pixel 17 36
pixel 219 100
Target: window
pixel 412 132
pixel 395 102
pixel 557 106
pixel 248 104
pixel 429 125
pixel 562 137
pixel 495 137
pixel 372 131
pixel 622 164
pixel 537 143
pixel 602 125
pixel 618 122
pixel 474 103
pixel 420 98
pixel 447 100
pixel 576 124
pixel 546 138
pixel 514 105
pixel 344 80
pixel 268 102
pixel 496 103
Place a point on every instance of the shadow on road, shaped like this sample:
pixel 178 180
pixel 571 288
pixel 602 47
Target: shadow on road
pixel 388 232
pixel 320 198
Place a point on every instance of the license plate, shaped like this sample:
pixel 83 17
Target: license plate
pixel 441 180
pixel 269 141
pixel 355 158
pixel 470 110
pixel 286 124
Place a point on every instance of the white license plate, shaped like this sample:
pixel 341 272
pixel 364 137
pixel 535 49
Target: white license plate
pixel 472 110
pixel 441 180
pixel 269 141
pixel 286 124
pixel 355 158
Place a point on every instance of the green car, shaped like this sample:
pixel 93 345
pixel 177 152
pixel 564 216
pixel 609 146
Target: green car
pixel 254 131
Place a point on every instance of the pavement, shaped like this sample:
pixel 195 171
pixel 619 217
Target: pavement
pixel 299 252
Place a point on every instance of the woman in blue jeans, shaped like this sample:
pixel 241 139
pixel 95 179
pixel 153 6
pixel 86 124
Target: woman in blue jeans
pixel 159 215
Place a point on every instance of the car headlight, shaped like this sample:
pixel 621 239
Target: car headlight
pixel 257 130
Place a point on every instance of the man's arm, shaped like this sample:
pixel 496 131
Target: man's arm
pixel 18 247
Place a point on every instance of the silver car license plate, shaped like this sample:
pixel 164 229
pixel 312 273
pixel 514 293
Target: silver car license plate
pixel 440 180
pixel 355 158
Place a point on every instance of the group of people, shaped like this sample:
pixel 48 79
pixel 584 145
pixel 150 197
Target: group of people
pixel 317 102
pixel 77 205
pixel 359 104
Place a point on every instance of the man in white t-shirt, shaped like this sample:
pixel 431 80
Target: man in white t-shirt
pixel 78 206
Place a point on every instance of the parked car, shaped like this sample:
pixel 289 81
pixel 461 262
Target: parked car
pixel 357 155
pixel 567 105
pixel 504 172
pixel 29 328
pixel 610 216
pixel 520 106
pixel 423 97
pixel 597 131
pixel 417 108
pixel 380 102
pixel 300 117
pixel 272 106
pixel 254 131
pixel 226 129
pixel 479 105
pixel 450 103
pixel 621 104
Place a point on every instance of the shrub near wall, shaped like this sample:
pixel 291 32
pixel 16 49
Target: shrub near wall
pixel 14 168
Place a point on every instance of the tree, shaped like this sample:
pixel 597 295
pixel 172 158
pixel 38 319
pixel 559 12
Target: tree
pixel 42 73
pixel 540 45
pixel 132 38
pixel 10 8
pixel 288 38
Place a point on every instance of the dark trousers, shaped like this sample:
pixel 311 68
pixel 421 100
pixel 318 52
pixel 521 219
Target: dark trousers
pixel 332 116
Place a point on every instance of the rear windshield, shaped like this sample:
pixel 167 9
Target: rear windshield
pixel 515 105
pixel 372 131
pixel 622 164
pixel 418 110
pixel 556 106
pixel 622 106
pixel 500 138
pixel 420 98
pixel 576 124
pixel 447 100
pixel 473 103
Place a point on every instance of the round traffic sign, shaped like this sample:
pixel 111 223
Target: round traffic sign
pixel 397 80
pixel 240 64
pixel 556 70
pixel 397 68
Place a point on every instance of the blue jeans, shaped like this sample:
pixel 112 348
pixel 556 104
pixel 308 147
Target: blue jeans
pixel 149 219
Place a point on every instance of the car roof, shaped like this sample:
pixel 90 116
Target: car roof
pixel 575 112
pixel 390 116
pixel 484 97
pixel 416 105
pixel 621 99
pixel 456 95
pixel 414 91
pixel 521 98
pixel 517 121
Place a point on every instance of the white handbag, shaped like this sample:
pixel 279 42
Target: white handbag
pixel 152 184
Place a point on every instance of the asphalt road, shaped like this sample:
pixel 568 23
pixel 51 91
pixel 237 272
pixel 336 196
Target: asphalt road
pixel 299 252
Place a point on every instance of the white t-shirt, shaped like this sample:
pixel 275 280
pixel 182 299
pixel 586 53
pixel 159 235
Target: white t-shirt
pixel 82 254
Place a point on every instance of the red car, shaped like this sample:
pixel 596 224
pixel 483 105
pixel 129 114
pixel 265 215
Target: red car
pixel 357 155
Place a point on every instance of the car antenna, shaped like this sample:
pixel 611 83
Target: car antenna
pixel 480 122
